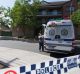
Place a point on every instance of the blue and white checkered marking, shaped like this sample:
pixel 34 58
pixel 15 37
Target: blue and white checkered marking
pixel 59 66
pixel 79 61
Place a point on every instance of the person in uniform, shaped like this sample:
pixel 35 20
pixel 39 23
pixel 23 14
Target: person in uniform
pixel 41 42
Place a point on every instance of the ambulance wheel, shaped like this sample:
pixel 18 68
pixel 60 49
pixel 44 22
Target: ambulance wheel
pixel 51 54
pixel 76 50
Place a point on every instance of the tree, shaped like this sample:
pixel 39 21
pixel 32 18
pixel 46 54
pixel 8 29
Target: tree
pixel 20 15
pixel 34 20
pixel 24 14
pixel 78 5
pixel 76 18
pixel 4 17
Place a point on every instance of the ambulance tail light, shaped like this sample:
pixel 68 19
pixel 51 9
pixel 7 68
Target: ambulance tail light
pixel 73 44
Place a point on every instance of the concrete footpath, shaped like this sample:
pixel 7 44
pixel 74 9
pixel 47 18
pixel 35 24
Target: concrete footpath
pixel 28 40
pixel 16 57
pixel 17 39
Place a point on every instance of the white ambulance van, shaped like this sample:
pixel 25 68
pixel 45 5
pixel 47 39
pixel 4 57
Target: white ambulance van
pixel 59 36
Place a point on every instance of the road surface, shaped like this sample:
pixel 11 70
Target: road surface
pixel 27 46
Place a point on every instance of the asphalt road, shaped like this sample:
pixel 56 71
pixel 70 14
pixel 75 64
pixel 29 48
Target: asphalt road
pixel 27 46
pixel 33 47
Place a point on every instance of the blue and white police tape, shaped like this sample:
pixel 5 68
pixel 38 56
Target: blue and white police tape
pixel 60 66
pixel 67 65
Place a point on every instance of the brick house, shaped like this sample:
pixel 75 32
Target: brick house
pixel 51 11
pixel 56 10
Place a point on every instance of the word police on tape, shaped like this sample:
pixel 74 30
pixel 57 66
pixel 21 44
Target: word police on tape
pixel 59 66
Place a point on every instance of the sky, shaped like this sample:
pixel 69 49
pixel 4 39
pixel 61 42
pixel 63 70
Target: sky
pixel 10 3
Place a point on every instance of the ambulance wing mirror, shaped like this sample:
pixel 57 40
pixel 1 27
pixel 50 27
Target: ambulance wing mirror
pixel 44 25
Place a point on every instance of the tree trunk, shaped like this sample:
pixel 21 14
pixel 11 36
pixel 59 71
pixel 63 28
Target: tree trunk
pixel 24 31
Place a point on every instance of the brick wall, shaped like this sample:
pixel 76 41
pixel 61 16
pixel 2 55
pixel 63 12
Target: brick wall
pixel 69 7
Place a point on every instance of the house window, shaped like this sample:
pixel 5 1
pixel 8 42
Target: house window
pixel 72 9
pixel 43 12
pixel 54 12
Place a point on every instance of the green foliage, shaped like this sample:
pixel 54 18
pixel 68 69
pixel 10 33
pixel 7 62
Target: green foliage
pixel 23 14
pixel 15 13
pixel 4 17
pixel 34 9
pixel 76 17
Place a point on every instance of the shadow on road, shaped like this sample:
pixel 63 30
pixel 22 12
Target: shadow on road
pixel 30 40
pixel 62 55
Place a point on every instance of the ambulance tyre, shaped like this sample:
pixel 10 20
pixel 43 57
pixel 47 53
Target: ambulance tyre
pixel 51 54
pixel 76 50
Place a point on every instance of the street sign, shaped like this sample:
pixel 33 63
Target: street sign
pixel 10 72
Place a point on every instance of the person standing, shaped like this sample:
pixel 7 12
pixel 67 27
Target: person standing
pixel 41 42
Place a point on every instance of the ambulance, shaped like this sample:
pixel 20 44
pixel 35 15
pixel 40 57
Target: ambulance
pixel 59 36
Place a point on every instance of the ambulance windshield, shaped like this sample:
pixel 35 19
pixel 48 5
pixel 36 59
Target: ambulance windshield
pixel 51 25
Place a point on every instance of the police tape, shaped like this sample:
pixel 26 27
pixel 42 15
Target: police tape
pixel 67 65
